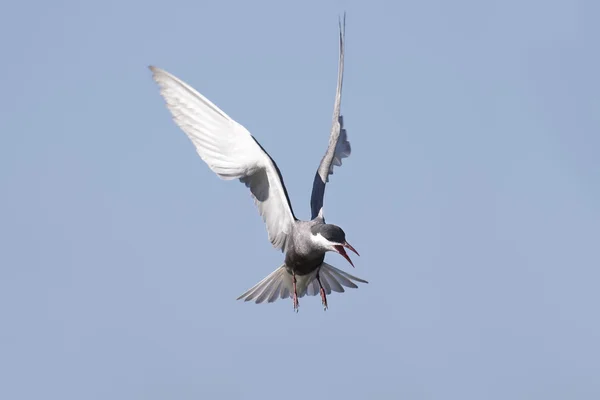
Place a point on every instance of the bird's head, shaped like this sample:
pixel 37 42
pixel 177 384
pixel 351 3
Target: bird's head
pixel 332 238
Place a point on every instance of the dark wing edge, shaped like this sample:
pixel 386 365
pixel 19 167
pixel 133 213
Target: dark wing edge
pixel 279 175
pixel 339 146
pixel 231 152
pixel 262 184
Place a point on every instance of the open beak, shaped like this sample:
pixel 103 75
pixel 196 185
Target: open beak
pixel 340 250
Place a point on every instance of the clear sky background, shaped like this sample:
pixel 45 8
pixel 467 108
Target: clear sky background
pixel 472 194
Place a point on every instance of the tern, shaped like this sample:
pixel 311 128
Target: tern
pixel 232 152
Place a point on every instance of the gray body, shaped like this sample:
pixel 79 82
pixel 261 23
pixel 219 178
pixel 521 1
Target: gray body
pixel 302 256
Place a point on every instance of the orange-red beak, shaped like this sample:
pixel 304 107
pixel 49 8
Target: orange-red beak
pixel 340 250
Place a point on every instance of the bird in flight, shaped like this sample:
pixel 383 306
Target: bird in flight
pixel 233 153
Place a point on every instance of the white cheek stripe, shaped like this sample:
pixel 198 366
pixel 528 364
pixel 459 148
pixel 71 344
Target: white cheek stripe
pixel 321 241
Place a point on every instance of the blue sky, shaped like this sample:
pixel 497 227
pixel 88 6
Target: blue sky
pixel 472 196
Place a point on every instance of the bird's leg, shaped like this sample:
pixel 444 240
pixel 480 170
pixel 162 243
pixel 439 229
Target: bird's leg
pixel 323 295
pixel 295 297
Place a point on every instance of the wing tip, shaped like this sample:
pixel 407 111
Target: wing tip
pixel 342 24
pixel 156 72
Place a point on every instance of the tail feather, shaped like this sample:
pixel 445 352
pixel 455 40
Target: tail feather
pixel 270 287
pixel 332 284
pixel 278 284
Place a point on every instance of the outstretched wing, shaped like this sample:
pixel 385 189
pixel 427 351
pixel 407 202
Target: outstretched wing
pixel 339 146
pixel 230 151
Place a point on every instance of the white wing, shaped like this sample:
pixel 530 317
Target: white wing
pixel 339 146
pixel 230 151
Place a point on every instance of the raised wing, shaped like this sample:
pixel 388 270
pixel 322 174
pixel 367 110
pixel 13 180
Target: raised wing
pixel 230 151
pixel 339 146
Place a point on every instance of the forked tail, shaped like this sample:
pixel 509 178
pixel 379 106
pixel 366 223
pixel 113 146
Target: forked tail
pixel 278 284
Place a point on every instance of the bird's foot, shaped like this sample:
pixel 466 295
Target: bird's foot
pixel 324 299
pixel 295 296
pixel 295 301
